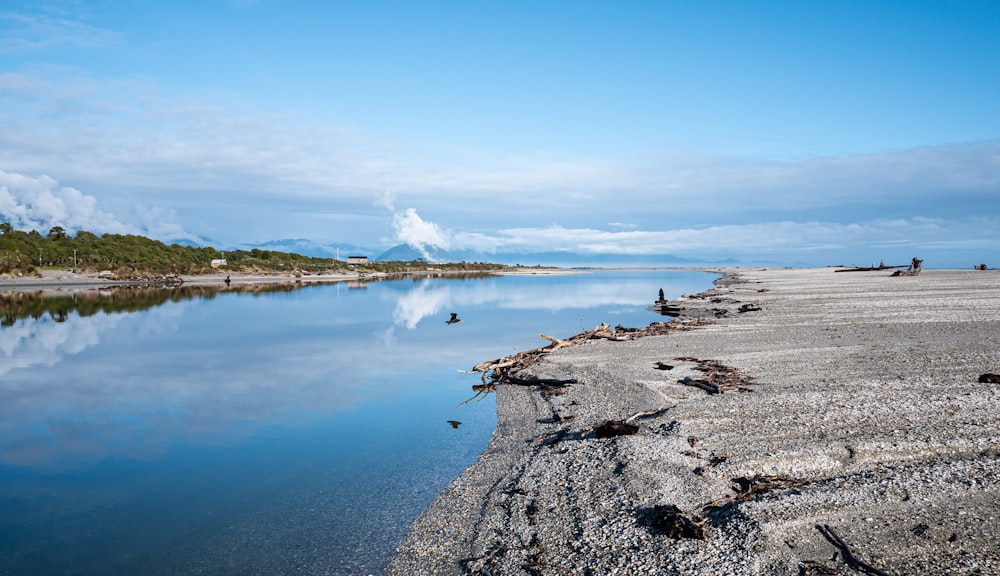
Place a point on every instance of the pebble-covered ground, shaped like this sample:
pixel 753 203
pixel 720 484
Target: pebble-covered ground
pixel 850 435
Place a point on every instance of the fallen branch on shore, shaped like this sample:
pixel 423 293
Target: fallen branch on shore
pixel 703 384
pixel 500 370
pixel 719 378
pixel 745 489
pixel 871 268
pixel 511 379
pixel 648 413
pixel 849 558
pixel 669 520
pixel 915 267
pixel 611 428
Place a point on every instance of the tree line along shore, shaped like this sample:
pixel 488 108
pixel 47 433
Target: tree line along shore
pixel 25 253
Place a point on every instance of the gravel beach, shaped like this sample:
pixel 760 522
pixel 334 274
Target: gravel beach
pixel 66 281
pixel 850 434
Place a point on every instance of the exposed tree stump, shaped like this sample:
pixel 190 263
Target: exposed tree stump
pixel 915 267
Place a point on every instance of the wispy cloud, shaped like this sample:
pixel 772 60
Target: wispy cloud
pixel 129 132
pixel 761 240
pixel 40 203
pixel 21 32
pixel 124 139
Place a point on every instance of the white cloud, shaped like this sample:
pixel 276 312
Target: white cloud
pixel 387 200
pixel 764 238
pixel 30 32
pixel 246 176
pixel 39 203
pixel 418 233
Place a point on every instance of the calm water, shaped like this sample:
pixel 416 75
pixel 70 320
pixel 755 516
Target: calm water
pixel 289 432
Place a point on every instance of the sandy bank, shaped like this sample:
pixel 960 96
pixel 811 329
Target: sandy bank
pixel 65 280
pixel 62 281
pixel 855 406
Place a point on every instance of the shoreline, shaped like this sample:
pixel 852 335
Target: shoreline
pixel 67 281
pixel 853 423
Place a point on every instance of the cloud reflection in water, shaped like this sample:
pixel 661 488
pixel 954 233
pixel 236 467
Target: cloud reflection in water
pixel 211 372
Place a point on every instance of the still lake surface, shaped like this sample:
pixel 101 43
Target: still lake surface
pixel 296 431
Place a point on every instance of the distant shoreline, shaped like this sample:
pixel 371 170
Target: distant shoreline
pixel 67 281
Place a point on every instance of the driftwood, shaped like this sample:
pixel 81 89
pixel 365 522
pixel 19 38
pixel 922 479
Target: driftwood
pixel 669 520
pixel 750 488
pixel 611 428
pixel 745 489
pixel 647 413
pixel 603 429
pixel 915 267
pixel 511 379
pixel 912 270
pixel 499 369
pixel 503 370
pixel 719 378
pixel 703 384
pixel 849 558
pixel 872 268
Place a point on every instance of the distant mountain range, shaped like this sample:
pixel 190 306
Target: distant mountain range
pixel 407 253
pixel 312 248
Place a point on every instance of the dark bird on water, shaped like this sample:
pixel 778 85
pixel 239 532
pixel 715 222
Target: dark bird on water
pixel 454 319
pixel 454 423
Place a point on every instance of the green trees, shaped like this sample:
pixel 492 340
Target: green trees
pixel 21 252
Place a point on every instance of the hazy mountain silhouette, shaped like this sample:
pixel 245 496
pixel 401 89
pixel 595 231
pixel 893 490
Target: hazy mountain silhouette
pixel 407 253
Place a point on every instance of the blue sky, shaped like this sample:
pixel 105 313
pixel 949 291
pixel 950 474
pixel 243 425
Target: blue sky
pixel 773 131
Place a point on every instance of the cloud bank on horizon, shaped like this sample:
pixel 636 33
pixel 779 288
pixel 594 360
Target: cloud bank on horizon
pixel 786 133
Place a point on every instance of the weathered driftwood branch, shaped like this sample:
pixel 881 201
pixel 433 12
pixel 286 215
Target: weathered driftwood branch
pixel 556 343
pixel 872 268
pixel 745 489
pixel 915 267
pixel 671 521
pixel 511 379
pixel 703 384
pixel 845 551
pixel 610 428
pixel 719 378
pixel 498 368
pixel 647 413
